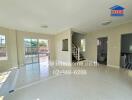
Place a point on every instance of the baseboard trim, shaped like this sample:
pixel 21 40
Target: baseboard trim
pixel 113 66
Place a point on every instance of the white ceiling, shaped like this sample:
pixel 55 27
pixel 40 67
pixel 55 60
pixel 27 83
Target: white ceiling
pixel 83 15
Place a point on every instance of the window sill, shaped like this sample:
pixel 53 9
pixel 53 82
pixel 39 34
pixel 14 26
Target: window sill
pixel 3 58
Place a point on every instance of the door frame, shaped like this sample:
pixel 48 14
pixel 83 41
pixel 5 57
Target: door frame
pixel 107 48
pixel 37 48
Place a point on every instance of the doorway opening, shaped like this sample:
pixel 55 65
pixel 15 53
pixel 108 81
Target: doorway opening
pixel 36 51
pixel 102 50
pixel 126 51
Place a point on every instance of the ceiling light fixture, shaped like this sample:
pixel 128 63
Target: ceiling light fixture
pixel 44 26
pixel 106 23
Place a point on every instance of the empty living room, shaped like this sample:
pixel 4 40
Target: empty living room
pixel 65 50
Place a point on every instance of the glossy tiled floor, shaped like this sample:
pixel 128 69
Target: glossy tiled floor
pixel 32 73
pixel 100 83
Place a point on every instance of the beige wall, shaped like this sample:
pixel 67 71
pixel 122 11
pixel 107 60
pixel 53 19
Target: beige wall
pixel 114 38
pixel 55 45
pixel 11 49
pixel 14 57
pixel 63 57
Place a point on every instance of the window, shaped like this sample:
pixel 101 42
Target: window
pixel 83 45
pixel 3 51
pixel 65 45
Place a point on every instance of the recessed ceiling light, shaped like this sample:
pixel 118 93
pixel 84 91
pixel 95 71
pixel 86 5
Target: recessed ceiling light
pixel 106 23
pixel 44 26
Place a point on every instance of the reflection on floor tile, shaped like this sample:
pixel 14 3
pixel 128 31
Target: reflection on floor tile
pixel 8 81
pixel 100 83
pixel 31 73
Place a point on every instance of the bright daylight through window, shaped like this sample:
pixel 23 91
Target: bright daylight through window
pixel 3 49
pixel 83 45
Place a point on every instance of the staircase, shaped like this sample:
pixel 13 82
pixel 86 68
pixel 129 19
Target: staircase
pixel 76 55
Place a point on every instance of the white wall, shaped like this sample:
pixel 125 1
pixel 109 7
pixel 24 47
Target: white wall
pixel 15 47
pixel 114 43
pixel 11 49
pixel 55 42
pixel 63 56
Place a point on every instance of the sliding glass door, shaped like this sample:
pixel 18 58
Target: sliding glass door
pixel 31 51
pixel 35 56
pixel 28 51
pixel 36 50
pixel 43 50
